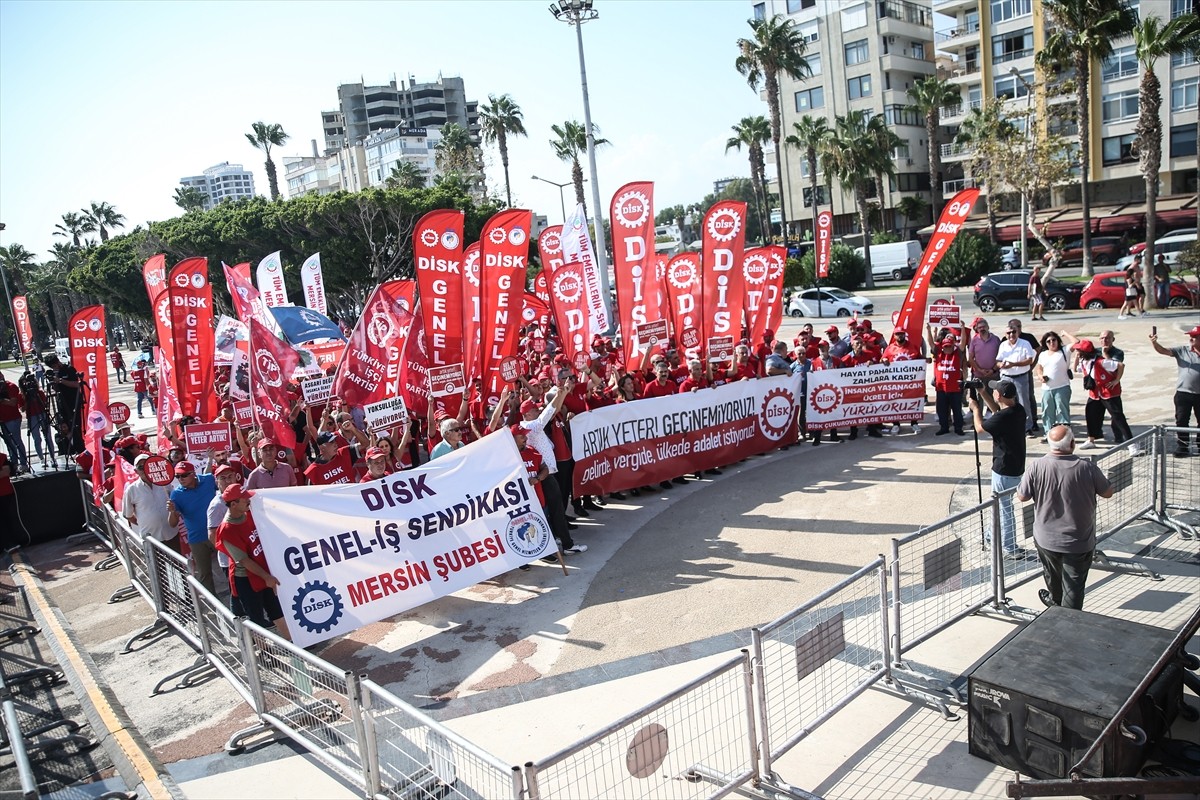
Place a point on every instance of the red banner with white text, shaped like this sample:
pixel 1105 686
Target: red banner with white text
pixel 723 241
pixel 632 215
pixel 89 351
pixel 167 410
pixel 96 423
pixel 370 367
pixel 686 294
pixel 438 253
pixel 470 313
pixel 20 309
pixel 414 371
pixel 824 243
pixel 569 299
pixel 193 343
pixel 541 287
pixel 504 251
pixel 154 276
pixel 535 312
pixel 272 362
pixel 247 301
pixel 762 270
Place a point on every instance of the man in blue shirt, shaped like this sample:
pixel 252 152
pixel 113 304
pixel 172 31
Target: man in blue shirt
pixel 189 502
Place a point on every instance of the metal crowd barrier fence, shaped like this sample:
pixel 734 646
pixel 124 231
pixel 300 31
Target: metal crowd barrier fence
pixel 811 662
pixel 1180 475
pixel 701 732
pixel 96 524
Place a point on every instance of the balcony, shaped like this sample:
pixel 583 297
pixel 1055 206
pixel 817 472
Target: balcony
pixel 956 186
pixel 951 112
pixel 905 61
pixel 904 11
pixel 957 38
pixel 948 7
pixel 964 68
pixel 954 150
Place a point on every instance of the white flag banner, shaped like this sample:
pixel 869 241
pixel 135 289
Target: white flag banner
pixel 350 554
pixel 577 246
pixel 270 281
pixel 313 283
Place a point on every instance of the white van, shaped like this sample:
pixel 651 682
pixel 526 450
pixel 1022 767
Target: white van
pixel 894 261
pixel 1172 246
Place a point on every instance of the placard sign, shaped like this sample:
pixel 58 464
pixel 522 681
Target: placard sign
pixel 538 345
pixel 118 413
pixel 945 314
pixel 510 369
pixel 203 436
pixel 581 361
pixel 159 470
pixel 689 338
pixel 446 380
pixel 386 413
pixel 243 412
pixel 317 390
pixel 720 348
pixel 653 334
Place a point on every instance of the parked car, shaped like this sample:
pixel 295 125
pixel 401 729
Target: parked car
pixel 834 302
pixel 1171 246
pixel 1003 290
pixel 1009 257
pixel 1105 250
pixel 1107 290
pixel 1140 246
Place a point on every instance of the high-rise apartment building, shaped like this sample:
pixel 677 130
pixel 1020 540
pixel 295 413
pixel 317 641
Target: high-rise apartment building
pixel 222 182
pixel 369 162
pixel 365 110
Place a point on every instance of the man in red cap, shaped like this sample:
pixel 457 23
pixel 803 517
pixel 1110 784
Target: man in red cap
pixel 947 381
pixel 249 576
pixel 534 422
pixel 1187 386
pixel 838 347
pixel 377 466
pixel 189 502
pixel 871 337
pixel 271 473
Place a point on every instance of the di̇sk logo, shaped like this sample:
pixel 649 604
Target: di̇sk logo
pixel 183 280
pixel 824 219
pixel 755 269
pixel 775 269
pixel 19 304
pixel 450 240
pixel 497 235
pixel 429 237
pixel 631 209
pixel 683 273
pixel 724 224
pixel 516 237
pixel 776 414
pixel 268 369
pixel 471 267
pixel 567 285
pixel 164 310
pixel 551 242
pixel 80 325
pixel 154 277
pixel 317 606
pixel 825 398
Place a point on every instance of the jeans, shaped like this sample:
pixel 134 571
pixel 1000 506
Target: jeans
pixel 39 426
pixel 1162 294
pixel 1066 576
pixel 1187 404
pixel 122 375
pixel 1008 523
pixel 1025 398
pixel 11 431
pixel 1056 407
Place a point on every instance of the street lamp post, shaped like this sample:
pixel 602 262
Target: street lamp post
pixel 1016 73
pixel 577 12
pixel 561 186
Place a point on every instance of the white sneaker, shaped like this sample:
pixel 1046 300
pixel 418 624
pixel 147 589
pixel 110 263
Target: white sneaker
pixel 1120 316
pixel 579 548
pixel 916 426
pixel 896 430
pixel 1136 450
pixel 1087 444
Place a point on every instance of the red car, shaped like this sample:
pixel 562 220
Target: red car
pixel 1107 290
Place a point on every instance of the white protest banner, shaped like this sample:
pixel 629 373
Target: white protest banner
pixel 577 247
pixel 347 555
pixel 386 413
pixel 313 283
pixel 317 390
pixel 271 286
pixel 869 395
pixel 634 444
pixel 229 333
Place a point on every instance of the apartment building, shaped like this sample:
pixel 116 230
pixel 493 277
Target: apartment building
pixel 221 183
pixel 367 163
pixel 365 110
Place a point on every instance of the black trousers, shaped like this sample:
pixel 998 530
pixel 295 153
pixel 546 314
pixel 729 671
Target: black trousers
pixel 1187 405
pixel 566 471
pixel 556 512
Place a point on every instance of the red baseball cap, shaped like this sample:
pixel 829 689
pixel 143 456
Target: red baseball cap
pixel 1194 331
pixel 529 405
pixel 375 452
pixel 1086 346
pixel 517 430
pixel 223 470
pixel 184 468
pixel 866 323
pixel 832 329
pixel 235 492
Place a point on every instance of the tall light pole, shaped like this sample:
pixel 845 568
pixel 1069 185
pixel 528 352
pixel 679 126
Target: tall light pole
pixel 577 12
pixel 1016 73
pixel 561 186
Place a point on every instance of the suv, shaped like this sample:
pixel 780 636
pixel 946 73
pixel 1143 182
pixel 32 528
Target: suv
pixel 1003 290
pixel 1105 250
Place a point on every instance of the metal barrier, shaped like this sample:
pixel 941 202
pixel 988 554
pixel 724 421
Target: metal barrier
pixel 702 731
pixel 1179 479
pixel 1130 467
pixel 811 662
pixel 410 755
pixel 221 640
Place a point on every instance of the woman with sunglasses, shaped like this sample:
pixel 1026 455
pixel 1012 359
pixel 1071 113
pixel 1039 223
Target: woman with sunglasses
pixel 1053 373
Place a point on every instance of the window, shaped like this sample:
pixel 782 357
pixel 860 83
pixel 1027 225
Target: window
pixel 810 99
pixel 918 50
pixel 857 52
pixel 814 62
pixel 1183 141
pixel 804 172
pixel 760 11
pixel 1118 149
pixel 901 151
pixel 1009 46
pixel 1122 105
pixel 1122 63
pixel 1010 9
pixel 854 17
pixel 794 6
pixel 1184 93
pixel 1181 7
pixel 911 182
pixel 1184 59
pixel 861 87
pixel 822 196
pixel 902 115
pixel 1010 86
pixel 809 31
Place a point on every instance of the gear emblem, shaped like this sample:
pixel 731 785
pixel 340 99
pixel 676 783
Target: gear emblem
pixel 825 398
pixel 317 606
pixel 777 413
pixel 682 273
pixel 776 265
pixel 755 269
pixel 551 242
pixel 724 224
pixel 497 235
pixel 631 209
pixel 429 237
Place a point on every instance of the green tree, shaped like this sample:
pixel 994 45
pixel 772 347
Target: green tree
pixel 74 226
pixel 458 159
pixel 886 143
pixel 264 137
pixel 18 263
pixel 1081 32
pixel 499 120
pixel 969 258
pixel 104 217
pixel 189 198
pixel 776 48
pixel 1153 41
pixel 846 269
pixel 929 96
pixel 986 131
pixel 405 175
pixel 810 134
pixel 570 144
pixel 852 156
pixel 753 133
pixel 912 207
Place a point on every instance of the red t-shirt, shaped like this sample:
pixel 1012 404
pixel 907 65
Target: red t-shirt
pixel 366 476
pixel 6 487
pixel 533 463
pixel 690 383
pixel 947 372
pixel 138 374
pixel 656 389
pixel 576 402
pixel 744 372
pixel 339 469
pixel 244 536
pixel 852 360
pixel 680 373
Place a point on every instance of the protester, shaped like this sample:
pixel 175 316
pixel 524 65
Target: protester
pixel 270 472
pixel 1053 373
pixel 1064 489
pixel 981 353
pixel 534 422
pixel 139 378
pixel 334 464
pixel 1015 359
pixel 451 431
pixel 11 404
pixel 249 576
pixel 189 502
pixel 1102 375
pixel 947 382
pixel 1187 386
pixel 1006 426
pixel 37 416
pixel 118 363
pixel 377 465
pixel 145 506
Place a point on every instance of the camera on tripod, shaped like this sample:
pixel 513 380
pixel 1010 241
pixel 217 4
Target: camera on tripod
pixel 973 385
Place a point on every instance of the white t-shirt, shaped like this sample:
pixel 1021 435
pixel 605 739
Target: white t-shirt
pixel 1014 351
pixel 1054 367
pixel 148 503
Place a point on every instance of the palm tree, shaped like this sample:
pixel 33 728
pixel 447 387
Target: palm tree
pixel 810 133
pixel 18 263
pixel 74 226
pixel 912 206
pixel 929 96
pixel 1081 32
pixel 570 145
pixel 405 175
pixel 886 143
pixel 851 154
pixel 497 121
pixel 984 130
pixel 777 49
pixel 189 198
pixel 1153 41
pixel 264 137
pixel 454 152
pixel 754 132
pixel 103 216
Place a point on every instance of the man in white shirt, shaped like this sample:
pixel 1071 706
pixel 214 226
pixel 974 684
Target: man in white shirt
pixel 534 421
pixel 1015 359
pixel 145 507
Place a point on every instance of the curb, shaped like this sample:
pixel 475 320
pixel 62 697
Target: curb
pixel 134 759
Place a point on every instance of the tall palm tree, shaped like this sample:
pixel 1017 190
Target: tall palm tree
pixel 74 226
pixel 189 198
pixel 810 133
pixel 570 145
pixel 777 48
pixel 852 156
pixel 18 263
pixel 1082 32
pixel 454 152
pixel 985 129
pixel 405 175
pixel 103 216
pixel 754 132
pixel 498 120
pixel 264 137
pixel 929 96
pixel 1153 41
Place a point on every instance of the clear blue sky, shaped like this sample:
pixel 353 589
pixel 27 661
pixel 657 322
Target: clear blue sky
pixel 115 101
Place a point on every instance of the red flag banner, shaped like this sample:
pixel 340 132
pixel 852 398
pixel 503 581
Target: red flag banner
pixel 168 403
pixel 912 313
pixel 414 370
pixel 272 362
pixel 20 308
pixel 550 252
pixel 569 295
pixel 723 242
pixel 686 294
pixel 762 270
pixel 247 302
pixel 154 275
pixel 438 252
pixel 193 346
pixel 97 424
pixel 535 312
pixel 824 243
pixel 541 286
pixel 470 312
pixel 370 367
pixel 89 351
pixel 504 251
pixel 632 215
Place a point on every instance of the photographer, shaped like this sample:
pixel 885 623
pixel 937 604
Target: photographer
pixel 1006 426
pixel 65 385
pixel 37 416
pixel 10 425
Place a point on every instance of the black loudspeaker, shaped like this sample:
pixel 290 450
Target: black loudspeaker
pixel 50 506
pixel 1042 696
